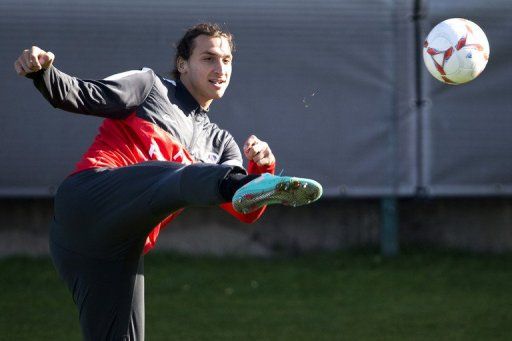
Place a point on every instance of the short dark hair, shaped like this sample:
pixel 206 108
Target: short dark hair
pixel 185 46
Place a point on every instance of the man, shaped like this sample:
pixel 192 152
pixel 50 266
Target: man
pixel 156 153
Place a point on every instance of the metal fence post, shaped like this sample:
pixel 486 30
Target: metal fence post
pixel 389 244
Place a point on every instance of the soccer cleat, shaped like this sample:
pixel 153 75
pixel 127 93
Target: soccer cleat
pixel 269 189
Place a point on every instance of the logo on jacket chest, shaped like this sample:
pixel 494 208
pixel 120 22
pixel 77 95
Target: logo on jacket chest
pixel 212 158
pixel 205 156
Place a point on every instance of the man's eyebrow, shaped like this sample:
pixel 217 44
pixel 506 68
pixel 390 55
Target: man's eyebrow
pixel 216 54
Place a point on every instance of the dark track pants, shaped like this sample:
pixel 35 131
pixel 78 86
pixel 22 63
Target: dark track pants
pixel 102 218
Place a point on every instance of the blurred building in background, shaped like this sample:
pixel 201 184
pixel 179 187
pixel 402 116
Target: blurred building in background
pixel 337 88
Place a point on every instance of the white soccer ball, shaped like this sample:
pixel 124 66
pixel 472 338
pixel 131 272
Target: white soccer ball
pixel 456 51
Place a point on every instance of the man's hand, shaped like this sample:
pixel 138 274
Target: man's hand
pixel 258 151
pixel 33 60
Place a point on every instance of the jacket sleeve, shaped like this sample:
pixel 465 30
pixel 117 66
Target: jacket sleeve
pixel 113 97
pixel 252 168
pixel 231 155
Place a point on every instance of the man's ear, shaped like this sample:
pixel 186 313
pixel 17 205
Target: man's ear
pixel 181 65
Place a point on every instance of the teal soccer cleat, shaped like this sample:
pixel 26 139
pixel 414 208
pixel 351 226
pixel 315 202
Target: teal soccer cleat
pixel 270 189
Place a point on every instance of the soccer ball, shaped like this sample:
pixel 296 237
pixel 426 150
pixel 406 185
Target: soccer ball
pixel 456 51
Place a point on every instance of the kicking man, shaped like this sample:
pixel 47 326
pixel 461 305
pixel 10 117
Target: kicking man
pixel 156 153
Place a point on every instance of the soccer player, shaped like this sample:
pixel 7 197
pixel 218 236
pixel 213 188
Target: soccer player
pixel 155 154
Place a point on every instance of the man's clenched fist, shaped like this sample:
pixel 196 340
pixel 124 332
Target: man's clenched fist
pixel 32 60
pixel 258 151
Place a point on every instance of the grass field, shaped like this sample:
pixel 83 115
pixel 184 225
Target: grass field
pixel 342 296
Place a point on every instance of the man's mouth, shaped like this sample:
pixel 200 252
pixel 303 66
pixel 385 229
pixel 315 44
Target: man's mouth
pixel 217 82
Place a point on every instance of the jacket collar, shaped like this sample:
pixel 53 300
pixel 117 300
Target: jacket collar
pixel 187 102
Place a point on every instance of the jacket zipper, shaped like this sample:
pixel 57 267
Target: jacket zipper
pixel 193 141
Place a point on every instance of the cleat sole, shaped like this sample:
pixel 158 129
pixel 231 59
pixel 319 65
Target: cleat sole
pixel 287 191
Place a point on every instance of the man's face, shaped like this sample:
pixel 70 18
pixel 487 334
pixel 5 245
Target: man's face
pixel 207 72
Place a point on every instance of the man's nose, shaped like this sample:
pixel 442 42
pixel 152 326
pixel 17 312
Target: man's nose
pixel 220 67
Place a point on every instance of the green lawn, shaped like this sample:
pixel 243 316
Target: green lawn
pixel 342 296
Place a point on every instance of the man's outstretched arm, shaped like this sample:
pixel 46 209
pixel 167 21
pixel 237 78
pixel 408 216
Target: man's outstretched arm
pixel 114 97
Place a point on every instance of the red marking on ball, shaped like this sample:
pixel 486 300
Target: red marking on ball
pixel 447 54
pixel 447 80
pixel 461 43
pixel 432 51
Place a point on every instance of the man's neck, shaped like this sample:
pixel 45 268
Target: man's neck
pixel 204 104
